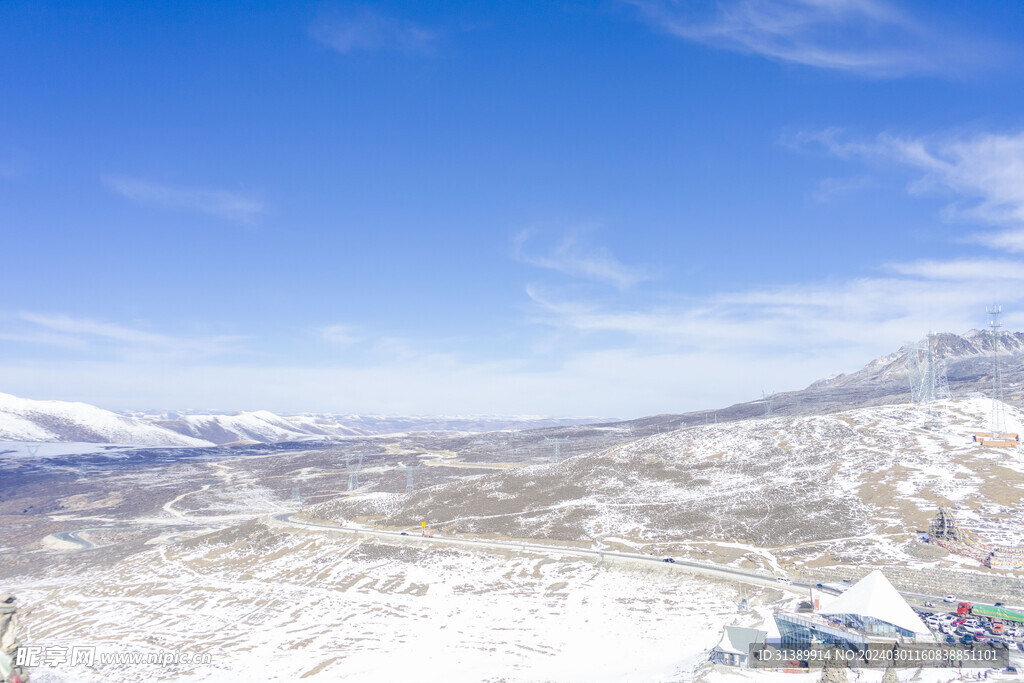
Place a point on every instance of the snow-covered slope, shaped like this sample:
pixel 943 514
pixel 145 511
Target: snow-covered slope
pixel 884 380
pixel 29 420
pixel 23 419
pixel 266 426
pixel 968 359
pixel 787 482
pixel 260 425
pixel 273 605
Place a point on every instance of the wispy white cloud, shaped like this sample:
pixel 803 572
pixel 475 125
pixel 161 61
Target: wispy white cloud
pixel 608 360
pixel 222 203
pixel 342 335
pixel 788 329
pixel 369 31
pixel 82 333
pixel 574 257
pixel 985 169
pixel 868 37
pixel 43 338
pixel 830 189
pixel 962 270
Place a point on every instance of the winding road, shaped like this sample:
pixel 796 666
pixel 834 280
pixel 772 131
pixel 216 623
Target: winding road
pixel 705 569
pixel 716 571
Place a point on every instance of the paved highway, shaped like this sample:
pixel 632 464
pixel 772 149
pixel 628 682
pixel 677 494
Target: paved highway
pixel 706 569
pixel 717 571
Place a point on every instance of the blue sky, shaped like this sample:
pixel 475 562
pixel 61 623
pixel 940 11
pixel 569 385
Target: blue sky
pixel 583 208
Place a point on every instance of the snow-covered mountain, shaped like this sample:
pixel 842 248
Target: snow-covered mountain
pixel 23 419
pixel 268 427
pixel 882 381
pixel 61 421
pixel 261 425
pixel 968 359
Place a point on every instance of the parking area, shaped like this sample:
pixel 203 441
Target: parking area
pixel 950 627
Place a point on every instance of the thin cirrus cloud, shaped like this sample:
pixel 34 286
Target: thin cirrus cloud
pixel 830 189
pixel 224 204
pixel 86 334
pixel 984 171
pixel 341 335
pixel 963 270
pixel 369 31
pixel 857 318
pixel 868 37
pixel 573 257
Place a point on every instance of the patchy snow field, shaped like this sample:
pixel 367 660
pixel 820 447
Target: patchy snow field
pixel 278 606
pixel 848 488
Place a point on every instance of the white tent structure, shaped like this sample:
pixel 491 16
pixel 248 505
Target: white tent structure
pixel 734 647
pixel 876 607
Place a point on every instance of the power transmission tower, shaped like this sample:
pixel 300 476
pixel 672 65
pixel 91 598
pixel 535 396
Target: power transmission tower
pixel 296 497
pixel 410 472
pixel 557 442
pixel 768 400
pixel 926 371
pixel 354 463
pixel 998 416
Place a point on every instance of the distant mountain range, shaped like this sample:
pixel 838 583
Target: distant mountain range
pixel 24 419
pixel 968 359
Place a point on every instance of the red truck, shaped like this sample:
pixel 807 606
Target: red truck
pixel 996 614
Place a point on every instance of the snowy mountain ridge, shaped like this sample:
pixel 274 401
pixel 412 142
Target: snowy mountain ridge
pixel 23 419
pixel 882 381
pixel 62 421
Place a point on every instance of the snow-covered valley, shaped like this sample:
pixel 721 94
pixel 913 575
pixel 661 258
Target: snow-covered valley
pixel 183 549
